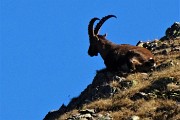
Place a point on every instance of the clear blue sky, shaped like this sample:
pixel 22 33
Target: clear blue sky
pixel 44 61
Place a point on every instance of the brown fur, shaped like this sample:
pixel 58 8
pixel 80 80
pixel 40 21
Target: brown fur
pixel 118 57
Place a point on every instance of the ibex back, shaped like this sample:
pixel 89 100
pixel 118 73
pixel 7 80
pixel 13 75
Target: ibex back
pixel 126 58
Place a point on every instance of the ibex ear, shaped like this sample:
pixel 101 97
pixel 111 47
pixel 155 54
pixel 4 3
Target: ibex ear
pixel 105 35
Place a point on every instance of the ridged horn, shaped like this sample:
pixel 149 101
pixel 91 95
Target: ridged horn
pixel 90 27
pixel 98 26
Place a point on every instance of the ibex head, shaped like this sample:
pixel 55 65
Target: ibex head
pixel 93 34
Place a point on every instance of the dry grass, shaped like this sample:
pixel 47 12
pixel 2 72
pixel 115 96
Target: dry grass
pixel 152 109
pixel 99 105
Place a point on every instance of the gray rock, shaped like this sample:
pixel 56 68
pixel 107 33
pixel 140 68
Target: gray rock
pixel 165 52
pixel 85 116
pixel 134 117
pixel 164 65
pixel 91 111
pixel 176 48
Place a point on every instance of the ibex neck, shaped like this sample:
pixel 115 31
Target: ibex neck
pixel 104 47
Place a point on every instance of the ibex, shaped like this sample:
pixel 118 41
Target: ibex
pixel 124 57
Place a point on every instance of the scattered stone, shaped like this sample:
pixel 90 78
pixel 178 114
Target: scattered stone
pixel 126 84
pixel 134 117
pixel 164 45
pixel 139 95
pixel 117 78
pixel 173 86
pixel 176 48
pixel 100 116
pixel 165 52
pixel 89 114
pixel 145 76
pixel 164 65
pixel 140 44
pixel 91 111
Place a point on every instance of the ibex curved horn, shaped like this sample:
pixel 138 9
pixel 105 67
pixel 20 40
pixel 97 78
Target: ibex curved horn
pixel 90 27
pixel 98 26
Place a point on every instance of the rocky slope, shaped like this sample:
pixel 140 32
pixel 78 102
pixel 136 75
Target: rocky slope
pixel 134 96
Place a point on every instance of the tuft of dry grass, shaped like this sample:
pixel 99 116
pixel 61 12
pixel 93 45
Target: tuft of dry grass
pixel 114 83
pixel 99 105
